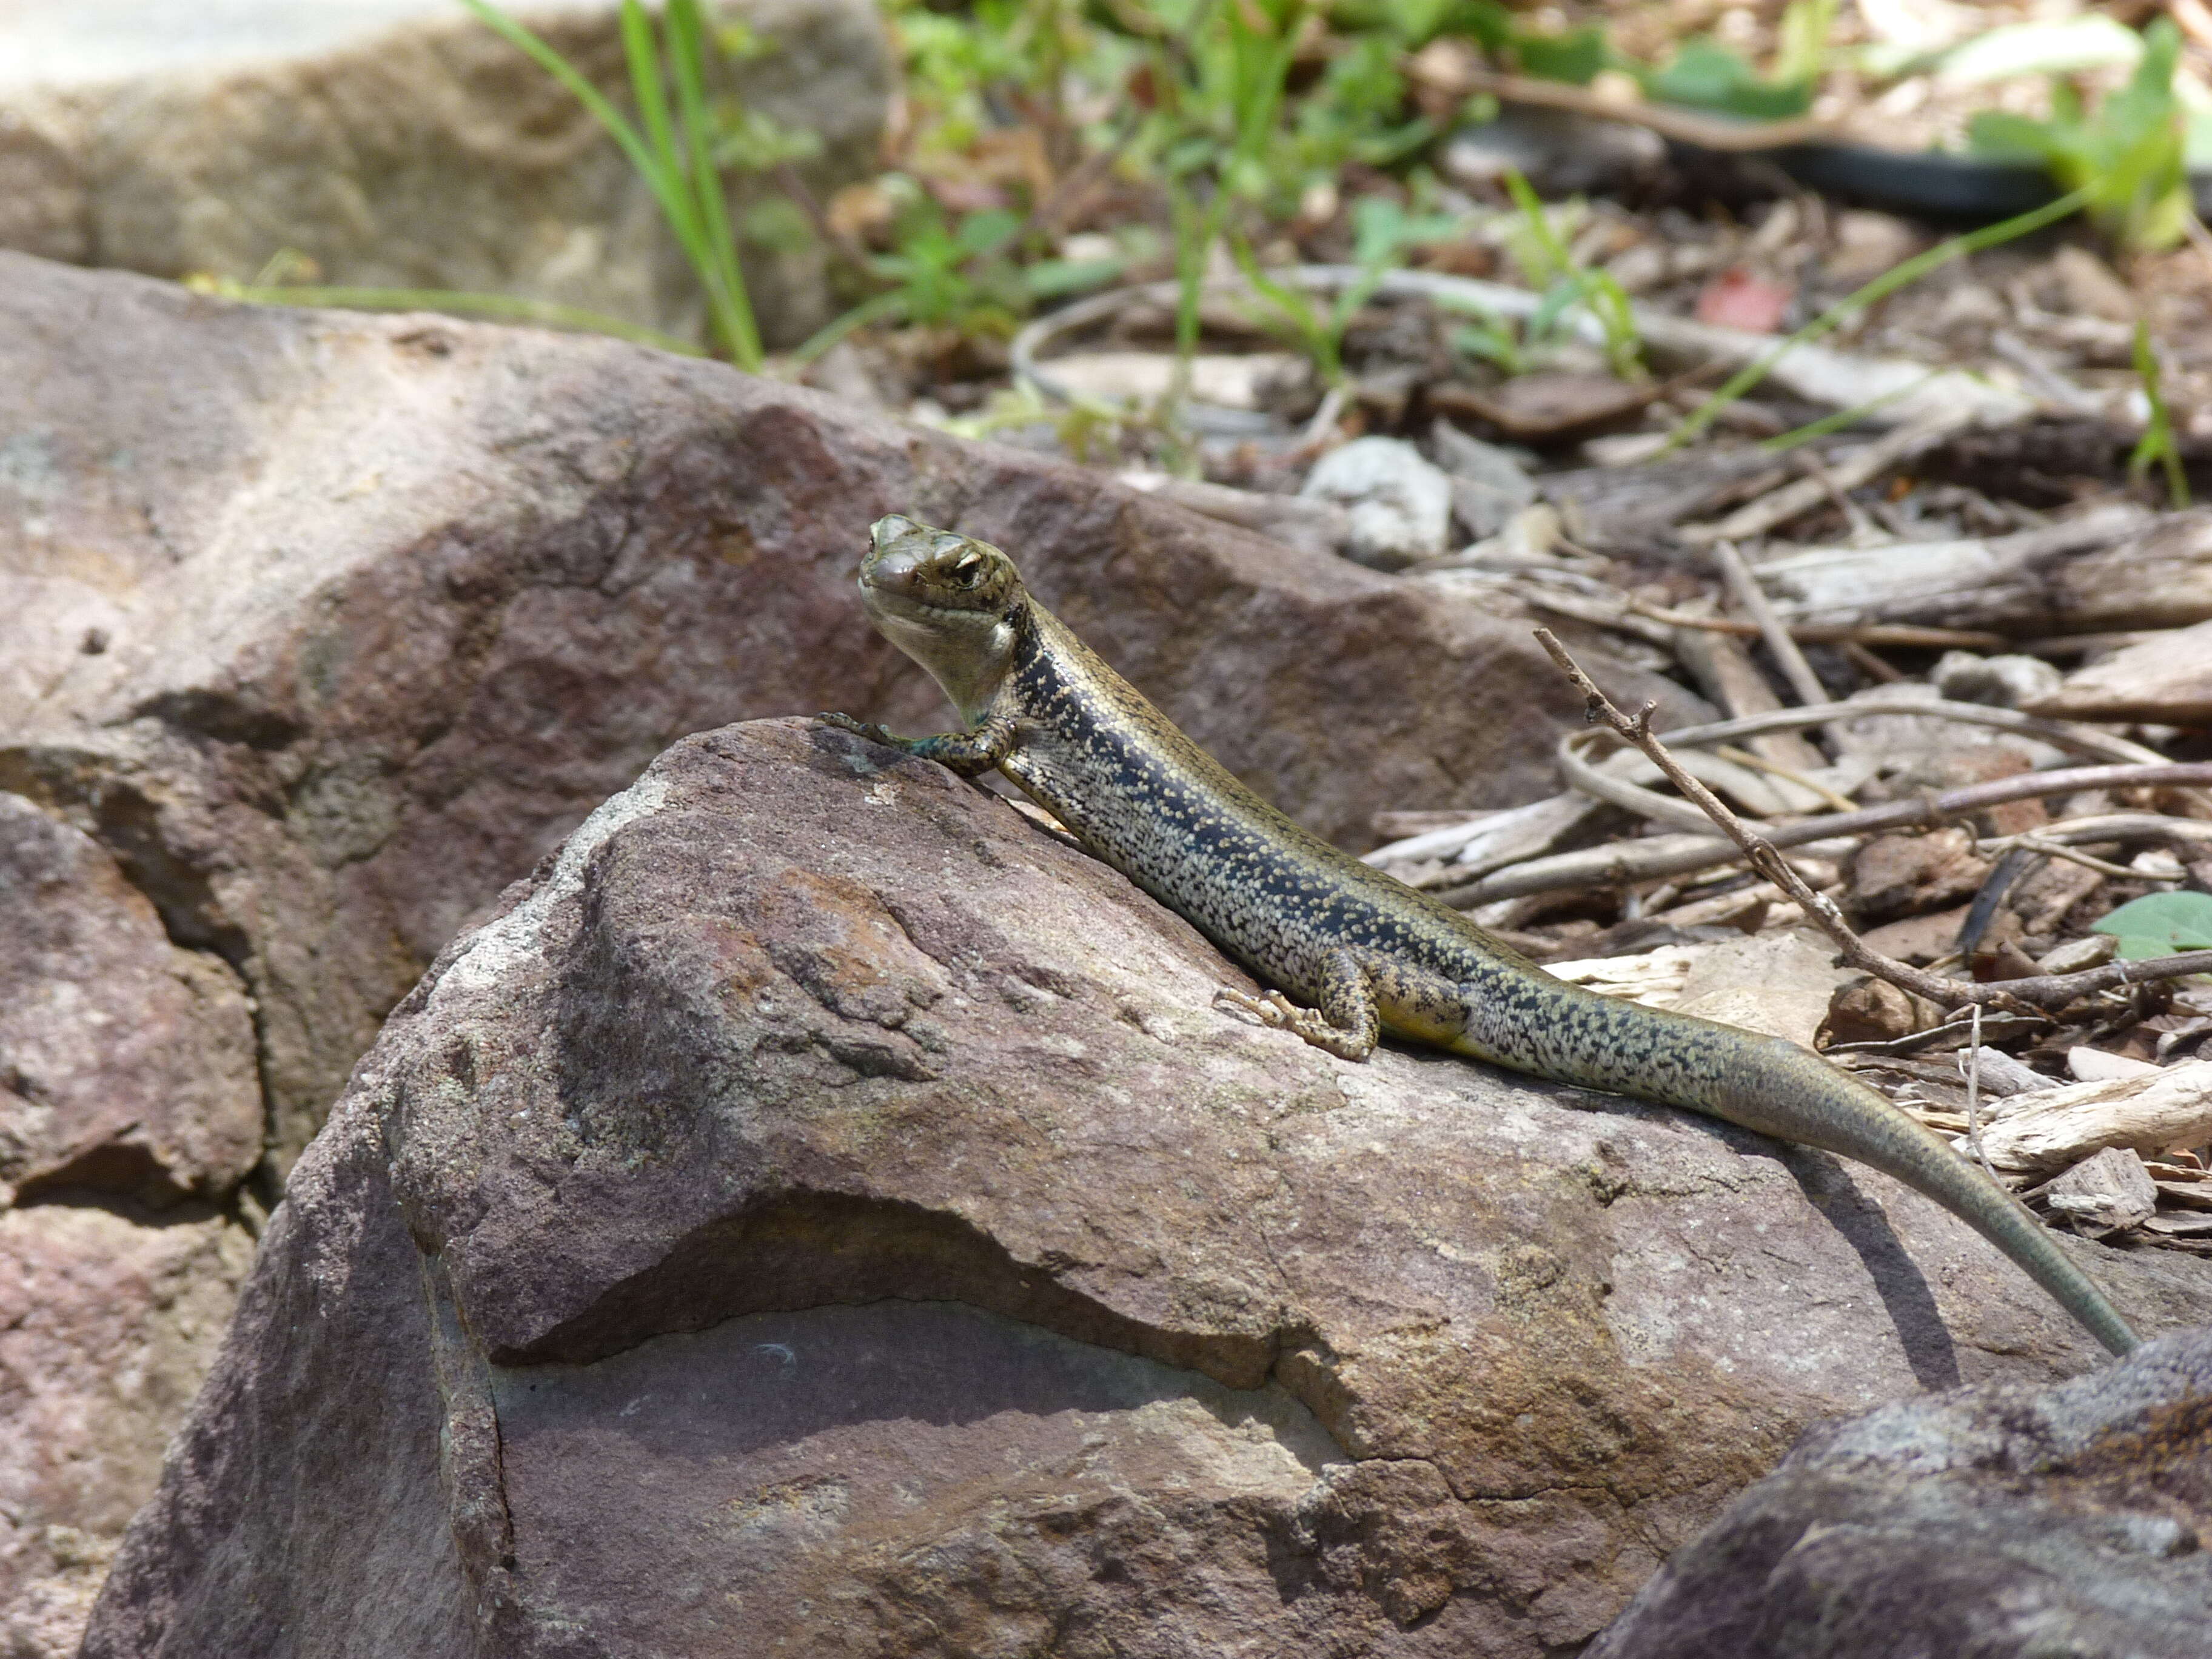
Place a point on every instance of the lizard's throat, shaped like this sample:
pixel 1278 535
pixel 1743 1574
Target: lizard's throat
pixel 968 653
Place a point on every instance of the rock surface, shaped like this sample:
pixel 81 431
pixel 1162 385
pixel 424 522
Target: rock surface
pixel 823 1214
pixel 126 1063
pixel 2000 1521
pixel 106 1328
pixel 428 155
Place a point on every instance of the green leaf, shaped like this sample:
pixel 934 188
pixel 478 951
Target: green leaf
pixel 1049 279
pixel 979 233
pixel 1576 57
pixel 2160 925
pixel 1705 75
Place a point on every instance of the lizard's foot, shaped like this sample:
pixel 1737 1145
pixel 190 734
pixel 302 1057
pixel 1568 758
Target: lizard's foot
pixel 1270 1008
pixel 867 729
pixel 1273 1009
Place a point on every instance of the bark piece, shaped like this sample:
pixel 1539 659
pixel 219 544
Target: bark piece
pixel 2112 566
pixel 1781 982
pixel 2051 1128
pixel 2103 1193
pixel 1899 875
pixel 2166 679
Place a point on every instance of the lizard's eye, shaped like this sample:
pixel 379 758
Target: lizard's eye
pixel 968 569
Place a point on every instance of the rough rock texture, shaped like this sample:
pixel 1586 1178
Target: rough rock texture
pixel 106 1328
pixel 1988 1523
pixel 823 1214
pixel 126 1070
pixel 328 626
pixel 430 156
pixel 126 1063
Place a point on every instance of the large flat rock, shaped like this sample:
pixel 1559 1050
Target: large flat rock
pixel 822 1214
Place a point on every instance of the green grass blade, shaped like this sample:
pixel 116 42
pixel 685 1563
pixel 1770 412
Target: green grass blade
pixel 868 311
pixel 656 160
pixel 643 54
pixel 687 56
pixel 583 90
pixel 1783 441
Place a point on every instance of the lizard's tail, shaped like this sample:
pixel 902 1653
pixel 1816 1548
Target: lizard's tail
pixel 1779 1089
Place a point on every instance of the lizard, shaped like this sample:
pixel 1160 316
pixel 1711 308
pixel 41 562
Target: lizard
pixel 1347 951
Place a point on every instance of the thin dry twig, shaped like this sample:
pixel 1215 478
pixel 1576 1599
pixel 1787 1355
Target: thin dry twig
pixel 1970 1063
pixel 1682 855
pixel 2088 861
pixel 1779 506
pixel 1866 663
pixel 1841 802
pixel 2021 995
pixel 1753 597
pixel 1905 635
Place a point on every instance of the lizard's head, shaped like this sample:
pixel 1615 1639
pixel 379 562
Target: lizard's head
pixel 913 570
pixel 948 601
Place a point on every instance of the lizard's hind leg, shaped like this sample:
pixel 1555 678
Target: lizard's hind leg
pixel 1347 1024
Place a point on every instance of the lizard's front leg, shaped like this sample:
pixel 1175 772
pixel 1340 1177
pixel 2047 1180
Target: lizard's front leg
pixel 1348 1022
pixel 969 753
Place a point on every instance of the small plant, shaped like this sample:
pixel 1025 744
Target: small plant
pixel 1549 266
pixel 1216 75
pixel 673 148
pixel 2157 445
pixel 1382 231
pixel 2129 160
pixel 1705 75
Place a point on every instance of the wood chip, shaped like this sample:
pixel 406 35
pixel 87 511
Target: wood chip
pixel 1549 407
pixel 2167 678
pixel 2099 1065
pixel 2051 1128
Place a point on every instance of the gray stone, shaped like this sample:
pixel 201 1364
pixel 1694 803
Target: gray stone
pixel 2000 1522
pixel 181 140
pixel 1399 504
pixel 2006 682
pixel 823 1213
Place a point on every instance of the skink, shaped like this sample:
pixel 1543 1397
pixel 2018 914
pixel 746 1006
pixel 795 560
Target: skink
pixel 1349 953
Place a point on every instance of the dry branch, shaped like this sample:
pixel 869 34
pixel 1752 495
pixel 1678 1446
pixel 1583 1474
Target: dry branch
pixel 2047 991
pixel 1656 856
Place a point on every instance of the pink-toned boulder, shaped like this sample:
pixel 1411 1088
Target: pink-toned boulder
pixel 823 1213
